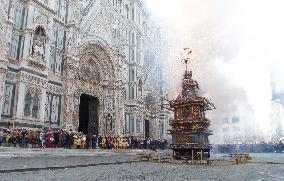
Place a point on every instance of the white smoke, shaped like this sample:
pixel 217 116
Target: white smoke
pixel 236 47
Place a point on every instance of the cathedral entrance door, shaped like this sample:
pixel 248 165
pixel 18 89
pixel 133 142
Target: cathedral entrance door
pixel 147 128
pixel 88 114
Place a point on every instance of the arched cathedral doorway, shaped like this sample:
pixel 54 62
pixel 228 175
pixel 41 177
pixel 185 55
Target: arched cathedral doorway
pixel 89 114
pixel 93 93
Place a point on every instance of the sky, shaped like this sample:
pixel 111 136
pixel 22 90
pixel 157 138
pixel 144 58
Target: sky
pixel 236 48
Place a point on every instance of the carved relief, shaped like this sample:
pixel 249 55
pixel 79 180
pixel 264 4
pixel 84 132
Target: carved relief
pixel 109 104
pixel 33 90
pixel 11 77
pixel 71 46
pixel 31 80
pixel 55 89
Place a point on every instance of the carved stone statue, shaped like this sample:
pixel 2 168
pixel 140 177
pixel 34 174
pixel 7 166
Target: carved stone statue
pixel 38 47
pixel 38 50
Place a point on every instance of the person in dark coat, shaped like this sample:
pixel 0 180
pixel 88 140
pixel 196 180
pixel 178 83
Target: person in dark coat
pixel 89 141
pixel 23 139
pixel 56 139
pixel 145 144
pixel 100 141
pixel 68 141
pixel 61 139
pixel 94 142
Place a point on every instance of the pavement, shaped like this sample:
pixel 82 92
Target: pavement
pixel 9 152
pixel 63 164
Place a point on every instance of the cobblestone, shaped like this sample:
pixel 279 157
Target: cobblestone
pixel 264 167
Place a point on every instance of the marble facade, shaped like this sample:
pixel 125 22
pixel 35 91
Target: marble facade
pixel 53 51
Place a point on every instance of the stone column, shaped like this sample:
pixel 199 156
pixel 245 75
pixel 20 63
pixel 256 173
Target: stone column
pixel 101 115
pixel 116 108
pixel 27 40
pixel 12 9
pixel 70 11
pixel 48 42
pixel 70 70
pixel 134 122
pixel 69 107
pixel 21 100
pixel 6 42
pixel 28 32
pixel 121 111
pixel 71 66
pixel 3 72
pixel 121 76
pixel 42 105
pixel 29 17
pixel 164 128
pixel 47 54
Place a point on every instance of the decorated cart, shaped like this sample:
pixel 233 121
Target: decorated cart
pixel 189 128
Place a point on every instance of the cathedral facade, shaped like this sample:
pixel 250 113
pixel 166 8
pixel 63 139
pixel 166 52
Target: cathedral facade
pixel 79 65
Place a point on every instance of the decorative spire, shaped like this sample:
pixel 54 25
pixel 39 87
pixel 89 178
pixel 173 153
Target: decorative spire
pixel 189 86
pixel 185 57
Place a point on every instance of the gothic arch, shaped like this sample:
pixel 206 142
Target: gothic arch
pixel 96 67
pixel 95 75
pixel 91 43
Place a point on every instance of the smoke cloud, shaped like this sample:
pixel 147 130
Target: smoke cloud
pixel 237 50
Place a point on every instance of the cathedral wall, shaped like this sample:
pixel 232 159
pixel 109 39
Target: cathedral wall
pixel 43 72
pixel 33 88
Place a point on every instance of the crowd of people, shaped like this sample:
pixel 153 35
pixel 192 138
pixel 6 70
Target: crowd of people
pixel 260 147
pixel 72 139
pixel 77 140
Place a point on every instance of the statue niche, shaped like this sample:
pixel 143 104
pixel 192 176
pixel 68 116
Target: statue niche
pixel 37 58
pixel 38 47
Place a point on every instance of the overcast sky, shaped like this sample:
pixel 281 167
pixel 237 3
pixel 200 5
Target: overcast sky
pixel 237 47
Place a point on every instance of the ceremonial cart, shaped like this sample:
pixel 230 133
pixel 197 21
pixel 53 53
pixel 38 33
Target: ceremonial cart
pixel 189 128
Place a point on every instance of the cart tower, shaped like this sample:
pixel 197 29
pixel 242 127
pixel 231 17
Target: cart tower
pixel 190 126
